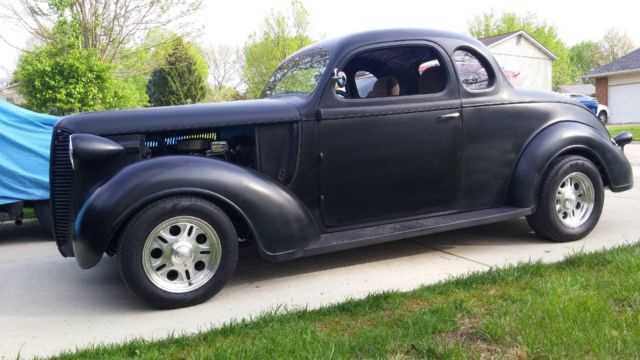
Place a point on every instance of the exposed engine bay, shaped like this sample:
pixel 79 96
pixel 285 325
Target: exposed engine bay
pixel 234 145
pixel 270 149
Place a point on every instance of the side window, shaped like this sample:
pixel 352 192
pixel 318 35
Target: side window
pixel 473 74
pixel 394 71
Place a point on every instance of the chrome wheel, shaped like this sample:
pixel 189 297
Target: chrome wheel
pixel 575 199
pixel 181 254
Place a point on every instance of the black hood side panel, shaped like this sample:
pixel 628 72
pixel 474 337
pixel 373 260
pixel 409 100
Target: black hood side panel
pixel 186 117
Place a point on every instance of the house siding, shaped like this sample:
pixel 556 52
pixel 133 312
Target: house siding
pixel 520 55
pixel 631 78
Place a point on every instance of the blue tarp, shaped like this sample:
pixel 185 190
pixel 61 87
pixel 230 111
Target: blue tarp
pixel 25 141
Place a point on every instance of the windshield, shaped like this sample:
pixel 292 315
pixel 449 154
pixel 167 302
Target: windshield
pixel 297 76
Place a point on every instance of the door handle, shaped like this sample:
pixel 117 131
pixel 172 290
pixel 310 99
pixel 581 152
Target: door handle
pixel 454 115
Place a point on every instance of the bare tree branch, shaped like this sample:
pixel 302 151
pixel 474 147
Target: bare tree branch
pixel 106 25
pixel 225 66
pixel 614 44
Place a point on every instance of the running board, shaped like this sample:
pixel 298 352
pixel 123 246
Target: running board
pixel 348 239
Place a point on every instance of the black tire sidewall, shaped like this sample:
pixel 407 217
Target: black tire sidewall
pixel 134 237
pixel 570 165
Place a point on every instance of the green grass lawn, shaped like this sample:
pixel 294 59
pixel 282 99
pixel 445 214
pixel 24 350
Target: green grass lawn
pixel 633 128
pixel 588 306
pixel 28 213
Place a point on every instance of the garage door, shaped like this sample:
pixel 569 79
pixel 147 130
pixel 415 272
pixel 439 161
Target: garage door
pixel 624 103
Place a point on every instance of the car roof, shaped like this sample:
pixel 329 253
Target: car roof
pixel 349 42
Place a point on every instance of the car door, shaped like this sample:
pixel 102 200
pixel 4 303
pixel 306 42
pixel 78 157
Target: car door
pixel 390 157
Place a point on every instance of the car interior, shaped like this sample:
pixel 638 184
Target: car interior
pixel 394 71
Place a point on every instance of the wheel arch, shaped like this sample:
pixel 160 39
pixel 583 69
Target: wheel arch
pixel 561 139
pixel 240 221
pixel 588 154
pixel 279 222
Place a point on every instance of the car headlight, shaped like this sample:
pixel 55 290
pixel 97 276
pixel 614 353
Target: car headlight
pixel 91 150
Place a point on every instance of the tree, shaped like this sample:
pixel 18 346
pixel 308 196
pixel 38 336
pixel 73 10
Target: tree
pixel 225 73
pixel 225 66
pixel 588 55
pixel 181 80
pixel 223 94
pixel 64 81
pixel 490 24
pixel 107 26
pixel 584 57
pixel 62 78
pixel 613 45
pixel 112 30
pixel 279 37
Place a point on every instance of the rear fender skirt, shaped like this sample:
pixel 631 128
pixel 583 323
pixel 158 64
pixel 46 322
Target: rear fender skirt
pixel 565 138
pixel 280 223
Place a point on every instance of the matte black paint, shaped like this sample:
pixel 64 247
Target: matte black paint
pixel 278 220
pixel 333 174
pixel 186 117
pixel 568 138
pixel 399 165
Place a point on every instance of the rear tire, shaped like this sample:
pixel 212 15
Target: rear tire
pixel 570 200
pixel 178 252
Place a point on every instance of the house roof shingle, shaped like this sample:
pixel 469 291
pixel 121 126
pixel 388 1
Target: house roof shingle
pixel 626 63
pixel 487 41
pixel 493 40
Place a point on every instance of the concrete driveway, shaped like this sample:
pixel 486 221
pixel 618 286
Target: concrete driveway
pixel 47 304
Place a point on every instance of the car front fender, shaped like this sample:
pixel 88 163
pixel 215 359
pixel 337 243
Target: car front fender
pixel 280 224
pixel 561 138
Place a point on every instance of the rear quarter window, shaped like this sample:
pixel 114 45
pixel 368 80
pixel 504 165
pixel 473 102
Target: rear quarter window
pixel 473 74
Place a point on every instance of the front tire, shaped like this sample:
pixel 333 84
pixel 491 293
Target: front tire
pixel 178 251
pixel 570 200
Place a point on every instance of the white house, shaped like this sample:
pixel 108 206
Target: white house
pixel 521 54
pixel 586 89
pixel 618 86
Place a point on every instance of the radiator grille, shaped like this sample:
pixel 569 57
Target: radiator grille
pixel 61 175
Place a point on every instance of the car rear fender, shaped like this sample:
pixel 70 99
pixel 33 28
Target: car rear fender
pixel 279 223
pixel 565 138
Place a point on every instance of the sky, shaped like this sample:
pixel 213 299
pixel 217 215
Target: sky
pixel 231 21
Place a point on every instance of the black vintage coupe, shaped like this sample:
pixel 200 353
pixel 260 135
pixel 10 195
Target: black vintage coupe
pixel 359 140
